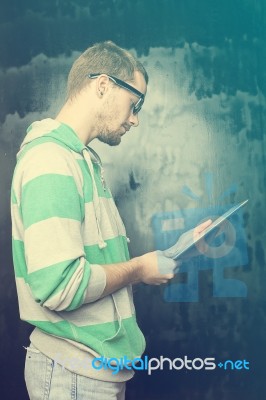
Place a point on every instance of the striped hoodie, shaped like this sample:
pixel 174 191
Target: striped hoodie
pixel 65 226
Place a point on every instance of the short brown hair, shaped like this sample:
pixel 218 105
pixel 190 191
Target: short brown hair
pixel 106 58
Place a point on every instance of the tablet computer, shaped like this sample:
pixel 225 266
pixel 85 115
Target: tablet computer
pixel 188 241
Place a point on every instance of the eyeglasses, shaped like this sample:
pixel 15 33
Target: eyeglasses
pixel 124 85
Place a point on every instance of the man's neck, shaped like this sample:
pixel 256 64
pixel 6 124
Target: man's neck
pixel 74 116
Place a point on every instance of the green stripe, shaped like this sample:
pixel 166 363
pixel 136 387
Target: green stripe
pixel 51 195
pixel 87 181
pixel 129 341
pixel 19 259
pixel 56 278
pixel 116 251
pixel 13 197
pixel 37 142
pixel 88 188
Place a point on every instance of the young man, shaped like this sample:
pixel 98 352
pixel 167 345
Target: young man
pixel 72 266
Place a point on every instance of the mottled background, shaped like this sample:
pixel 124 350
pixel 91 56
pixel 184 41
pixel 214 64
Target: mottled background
pixel 202 127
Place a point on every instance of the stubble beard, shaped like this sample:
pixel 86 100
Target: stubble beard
pixel 107 134
pixel 111 138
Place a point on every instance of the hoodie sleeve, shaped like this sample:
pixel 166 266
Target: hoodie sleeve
pixel 51 208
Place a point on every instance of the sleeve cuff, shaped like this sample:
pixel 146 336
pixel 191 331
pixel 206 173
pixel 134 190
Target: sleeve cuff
pixel 97 283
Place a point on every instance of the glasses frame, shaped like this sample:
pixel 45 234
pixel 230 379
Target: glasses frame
pixel 137 107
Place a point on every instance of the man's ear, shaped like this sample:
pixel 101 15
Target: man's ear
pixel 102 84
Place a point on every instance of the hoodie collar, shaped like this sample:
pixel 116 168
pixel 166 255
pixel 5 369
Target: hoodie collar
pixel 50 128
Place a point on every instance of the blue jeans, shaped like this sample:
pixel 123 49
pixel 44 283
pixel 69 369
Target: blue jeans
pixel 46 380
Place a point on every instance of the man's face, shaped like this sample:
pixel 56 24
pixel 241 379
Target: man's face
pixel 117 116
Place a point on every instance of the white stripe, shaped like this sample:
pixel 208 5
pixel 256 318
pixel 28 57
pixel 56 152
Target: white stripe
pixel 41 128
pixel 51 241
pixel 61 300
pixel 111 224
pixel 29 309
pixel 96 284
pixel 48 158
pixel 101 311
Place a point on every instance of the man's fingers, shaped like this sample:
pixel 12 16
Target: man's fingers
pixel 169 276
pixel 164 279
pixel 202 226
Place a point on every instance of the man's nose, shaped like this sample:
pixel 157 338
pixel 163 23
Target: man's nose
pixel 134 119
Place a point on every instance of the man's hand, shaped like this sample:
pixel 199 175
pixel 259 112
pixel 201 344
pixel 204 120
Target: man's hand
pixel 151 268
pixel 154 268
pixel 186 238
pixel 200 228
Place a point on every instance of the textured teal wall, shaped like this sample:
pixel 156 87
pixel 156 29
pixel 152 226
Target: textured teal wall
pixel 202 127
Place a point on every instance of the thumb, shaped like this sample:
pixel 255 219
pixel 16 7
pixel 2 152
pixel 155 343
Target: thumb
pixel 202 226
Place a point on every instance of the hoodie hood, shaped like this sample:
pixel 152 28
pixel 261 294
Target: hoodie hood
pixel 48 128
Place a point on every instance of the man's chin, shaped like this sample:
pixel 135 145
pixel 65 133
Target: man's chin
pixel 112 141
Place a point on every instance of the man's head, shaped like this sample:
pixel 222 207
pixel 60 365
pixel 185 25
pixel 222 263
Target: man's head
pixel 107 58
pixel 118 82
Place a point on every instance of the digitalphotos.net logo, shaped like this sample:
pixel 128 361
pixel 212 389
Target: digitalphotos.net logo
pixel 227 250
pixel 151 364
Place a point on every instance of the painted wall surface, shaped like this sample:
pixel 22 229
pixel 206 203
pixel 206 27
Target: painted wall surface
pixel 200 147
